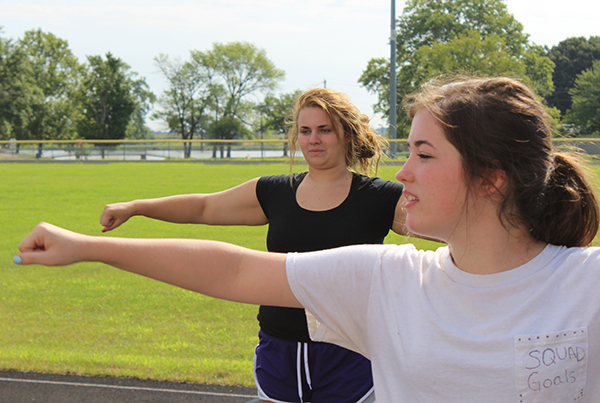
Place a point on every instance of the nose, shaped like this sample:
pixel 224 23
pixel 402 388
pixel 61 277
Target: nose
pixel 404 174
pixel 314 137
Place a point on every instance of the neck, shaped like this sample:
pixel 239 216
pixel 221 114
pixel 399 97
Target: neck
pixel 494 250
pixel 329 176
pixel 482 244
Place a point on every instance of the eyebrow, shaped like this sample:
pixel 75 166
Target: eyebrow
pixel 419 143
pixel 318 127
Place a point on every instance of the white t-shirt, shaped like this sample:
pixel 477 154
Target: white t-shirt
pixel 435 333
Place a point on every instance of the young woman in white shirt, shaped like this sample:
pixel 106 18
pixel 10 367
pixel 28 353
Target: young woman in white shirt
pixel 507 312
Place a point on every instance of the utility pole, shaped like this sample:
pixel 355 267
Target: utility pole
pixel 393 95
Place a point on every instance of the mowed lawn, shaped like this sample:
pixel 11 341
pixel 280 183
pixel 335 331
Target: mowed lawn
pixel 92 319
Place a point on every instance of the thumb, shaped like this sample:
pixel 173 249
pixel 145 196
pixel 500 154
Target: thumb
pixel 48 245
pixel 40 257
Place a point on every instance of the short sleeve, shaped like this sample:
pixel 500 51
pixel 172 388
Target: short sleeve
pixel 334 286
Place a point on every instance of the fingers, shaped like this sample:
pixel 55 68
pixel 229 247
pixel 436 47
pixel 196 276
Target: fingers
pixel 33 246
pixel 113 215
pixel 110 225
pixel 48 245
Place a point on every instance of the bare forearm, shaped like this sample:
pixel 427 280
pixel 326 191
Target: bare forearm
pixel 181 209
pixel 235 206
pixel 212 268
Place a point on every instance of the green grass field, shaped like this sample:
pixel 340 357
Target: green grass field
pixel 91 319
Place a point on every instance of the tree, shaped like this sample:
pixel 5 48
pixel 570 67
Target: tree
pixel 17 90
pixel 55 73
pixel 571 57
pixel 106 99
pixel 226 128
pixel 189 95
pixel 275 111
pixel 217 81
pixel 242 69
pixel 425 22
pixel 137 128
pixel 275 114
pixel 585 95
pixel 457 36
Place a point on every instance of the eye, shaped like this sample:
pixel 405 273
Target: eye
pixel 423 156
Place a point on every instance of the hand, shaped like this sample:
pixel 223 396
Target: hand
pixel 49 245
pixel 115 214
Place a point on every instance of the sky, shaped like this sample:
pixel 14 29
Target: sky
pixel 316 42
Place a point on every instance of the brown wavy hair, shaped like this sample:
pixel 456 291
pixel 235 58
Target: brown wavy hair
pixel 365 148
pixel 499 123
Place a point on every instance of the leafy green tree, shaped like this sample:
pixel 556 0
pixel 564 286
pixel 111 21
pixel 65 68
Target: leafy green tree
pixel 425 22
pixel 571 57
pixel 242 69
pixel 189 96
pixel 55 72
pixel 137 129
pixel 275 114
pixel 585 95
pixel 457 36
pixel 213 87
pixel 106 98
pixel 226 128
pixel 17 91
pixel 276 111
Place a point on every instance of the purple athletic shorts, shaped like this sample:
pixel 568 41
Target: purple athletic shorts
pixel 291 372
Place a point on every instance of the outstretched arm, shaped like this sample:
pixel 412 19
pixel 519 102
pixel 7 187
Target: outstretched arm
pixel 217 269
pixel 236 206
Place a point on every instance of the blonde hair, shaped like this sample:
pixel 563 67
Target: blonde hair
pixel 365 148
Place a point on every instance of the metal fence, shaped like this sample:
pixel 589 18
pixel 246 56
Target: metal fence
pixel 161 150
pixel 150 150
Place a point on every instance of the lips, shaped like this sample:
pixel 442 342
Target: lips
pixel 411 199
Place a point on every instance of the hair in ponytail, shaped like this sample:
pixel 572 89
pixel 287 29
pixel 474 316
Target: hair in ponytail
pixel 569 213
pixel 364 148
pixel 500 124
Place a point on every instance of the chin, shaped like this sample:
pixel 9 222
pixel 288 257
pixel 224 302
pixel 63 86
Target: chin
pixel 419 230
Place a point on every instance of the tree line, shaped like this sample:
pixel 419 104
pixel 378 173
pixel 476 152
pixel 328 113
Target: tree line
pixel 228 91
pixel 481 37
pixel 46 94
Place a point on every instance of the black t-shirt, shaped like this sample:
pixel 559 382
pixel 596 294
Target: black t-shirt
pixel 364 217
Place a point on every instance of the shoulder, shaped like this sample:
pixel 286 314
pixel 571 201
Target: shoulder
pixel 375 189
pixel 273 179
pixel 267 184
pixel 389 265
pixel 387 256
pixel 413 258
pixel 578 257
pixel 283 179
pixel 378 184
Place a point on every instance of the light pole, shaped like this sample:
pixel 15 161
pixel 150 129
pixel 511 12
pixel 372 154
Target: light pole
pixel 393 106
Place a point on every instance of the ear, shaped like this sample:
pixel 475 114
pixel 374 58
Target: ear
pixel 493 182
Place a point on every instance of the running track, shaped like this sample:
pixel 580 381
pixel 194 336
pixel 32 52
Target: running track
pixel 21 387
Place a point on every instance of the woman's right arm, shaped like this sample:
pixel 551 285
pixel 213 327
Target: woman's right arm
pixel 217 269
pixel 236 206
